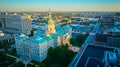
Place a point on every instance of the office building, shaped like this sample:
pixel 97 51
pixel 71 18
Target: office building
pixel 108 37
pixel 16 24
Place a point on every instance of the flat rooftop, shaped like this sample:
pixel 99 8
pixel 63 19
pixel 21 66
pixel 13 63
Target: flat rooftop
pixel 92 55
pixel 93 62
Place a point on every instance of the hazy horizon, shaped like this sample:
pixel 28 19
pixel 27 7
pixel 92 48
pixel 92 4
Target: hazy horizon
pixel 60 5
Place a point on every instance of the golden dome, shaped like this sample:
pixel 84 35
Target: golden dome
pixel 47 34
pixel 51 21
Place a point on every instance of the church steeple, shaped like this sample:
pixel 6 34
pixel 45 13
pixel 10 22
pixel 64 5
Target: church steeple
pixel 51 24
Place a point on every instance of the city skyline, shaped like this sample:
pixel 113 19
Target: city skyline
pixel 59 5
pixel 59 33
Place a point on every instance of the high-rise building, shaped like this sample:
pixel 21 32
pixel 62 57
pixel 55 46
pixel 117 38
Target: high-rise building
pixel 14 23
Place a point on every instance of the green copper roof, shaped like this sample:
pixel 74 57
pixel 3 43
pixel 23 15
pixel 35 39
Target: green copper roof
pixel 47 38
pixel 47 21
pixel 37 40
pixel 22 37
pixel 39 32
pixel 67 26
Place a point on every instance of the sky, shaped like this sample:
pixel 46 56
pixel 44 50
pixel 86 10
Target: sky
pixel 60 5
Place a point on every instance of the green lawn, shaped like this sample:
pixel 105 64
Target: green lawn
pixel 18 64
pixel 5 61
pixel 13 52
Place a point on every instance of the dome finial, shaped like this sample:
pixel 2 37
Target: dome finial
pixel 50 24
pixel 49 14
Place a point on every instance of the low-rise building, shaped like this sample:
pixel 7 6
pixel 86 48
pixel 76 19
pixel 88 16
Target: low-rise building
pixel 33 48
pixel 6 39
pixel 110 37
pixel 80 29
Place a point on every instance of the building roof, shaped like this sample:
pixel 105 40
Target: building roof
pixel 55 35
pixel 39 36
pixel 37 40
pixel 117 23
pixel 67 36
pixel 115 29
pixel 80 28
pixel 22 37
pixel 118 51
pixel 39 32
pixel 67 26
pixel 47 38
pixel 93 62
pixel 92 51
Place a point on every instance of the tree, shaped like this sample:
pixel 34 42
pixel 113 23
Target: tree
pixel 19 64
pixel 32 32
pixel 72 40
pixel 59 56
pixel 5 60
pixel 31 65
pixel 102 25
pixel 79 40
pixel 41 65
pixel 86 23
pixel 2 57
pixel 0 23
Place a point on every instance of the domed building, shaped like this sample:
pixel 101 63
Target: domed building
pixel 50 25
pixel 36 47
